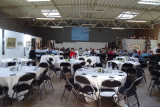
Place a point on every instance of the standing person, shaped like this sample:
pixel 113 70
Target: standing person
pixel 32 54
pixel 158 49
pixel 72 53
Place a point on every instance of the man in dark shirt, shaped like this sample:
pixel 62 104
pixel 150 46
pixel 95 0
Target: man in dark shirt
pixel 158 49
pixel 32 54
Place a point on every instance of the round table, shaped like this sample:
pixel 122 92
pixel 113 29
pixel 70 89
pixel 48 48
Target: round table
pixel 94 59
pixel 97 78
pixel 3 62
pixel 72 62
pixel 45 58
pixel 128 58
pixel 10 78
pixel 120 64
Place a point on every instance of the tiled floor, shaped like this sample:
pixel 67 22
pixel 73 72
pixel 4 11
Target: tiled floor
pixel 53 99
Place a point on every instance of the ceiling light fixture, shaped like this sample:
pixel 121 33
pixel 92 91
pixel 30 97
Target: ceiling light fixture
pixel 45 18
pixel 117 28
pixel 37 0
pixel 56 26
pixel 51 13
pixel 127 15
pixel 150 2
pixel 137 21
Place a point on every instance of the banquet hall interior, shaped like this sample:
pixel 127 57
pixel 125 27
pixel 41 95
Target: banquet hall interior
pixel 79 53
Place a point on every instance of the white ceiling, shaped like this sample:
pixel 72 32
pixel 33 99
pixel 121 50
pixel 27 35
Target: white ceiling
pixel 100 13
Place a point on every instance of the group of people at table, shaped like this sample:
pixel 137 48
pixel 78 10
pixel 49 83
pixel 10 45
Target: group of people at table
pixel 92 73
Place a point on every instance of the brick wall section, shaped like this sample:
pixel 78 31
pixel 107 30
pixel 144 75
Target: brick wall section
pixel 153 33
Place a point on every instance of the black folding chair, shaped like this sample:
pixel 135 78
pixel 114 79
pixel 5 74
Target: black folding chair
pixel 22 85
pixel 126 65
pixel 76 67
pixel 155 81
pixel 31 63
pixel 106 90
pixel 65 67
pixel 82 59
pixel 10 64
pixel 70 86
pixel 3 90
pixel 89 61
pixel 82 64
pixel 98 65
pixel 87 89
pixel 131 91
pixel 43 65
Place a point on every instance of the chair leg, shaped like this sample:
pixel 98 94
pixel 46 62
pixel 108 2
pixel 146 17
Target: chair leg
pixel 150 84
pixel 153 86
pixel 17 100
pixel 69 98
pixel 63 94
pixel 77 99
pixel 100 101
pixel 51 85
pixel 1 100
pixel 11 98
pixel 92 101
pixel 44 88
pixel 137 100
pixel 127 101
pixel 39 93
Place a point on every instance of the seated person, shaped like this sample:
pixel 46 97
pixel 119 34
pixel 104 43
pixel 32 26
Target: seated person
pixel 72 54
pixel 49 51
pixel 86 52
pixel 143 54
pixel 158 49
pixel 76 52
pixel 125 53
pixel 92 52
pixel 135 54
pixel 54 51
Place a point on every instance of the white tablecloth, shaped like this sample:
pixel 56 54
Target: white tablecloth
pixel 45 58
pixel 7 80
pixel 96 81
pixel 127 58
pixel 120 64
pixel 58 62
pixel 94 59
pixel 3 62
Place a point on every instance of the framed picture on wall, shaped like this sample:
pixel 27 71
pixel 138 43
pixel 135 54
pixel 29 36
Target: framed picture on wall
pixel 137 47
pixel 11 43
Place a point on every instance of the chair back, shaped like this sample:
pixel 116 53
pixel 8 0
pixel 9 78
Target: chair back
pixel 82 59
pixel 10 64
pixel 157 67
pixel 82 63
pixel 27 77
pixel 50 59
pixel 76 67
pixel 82 80
pixel 89 61
pixel 110 83
pixel 65 64
pixel 98 65
pixel 31 63
pixel 131 71
pixel 43 65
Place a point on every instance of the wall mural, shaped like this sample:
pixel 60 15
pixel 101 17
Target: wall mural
pixel 11 43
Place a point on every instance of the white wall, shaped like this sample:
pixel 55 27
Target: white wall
pixel 140 42
pixel 18 51
pixel 83 45
pixel 14 52
pixel 0 43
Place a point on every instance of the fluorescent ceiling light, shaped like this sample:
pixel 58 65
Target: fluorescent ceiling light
pixel 117 28
pixel 37 0
pixel 127 15
pixel 150 2
pixel 137 21
pixel 56 26
pixel 45 18
pixel 51 13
